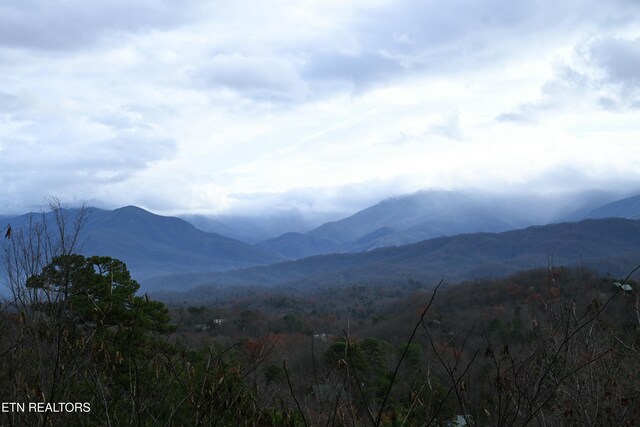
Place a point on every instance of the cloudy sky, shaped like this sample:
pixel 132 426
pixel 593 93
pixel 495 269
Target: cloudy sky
pixel 228 106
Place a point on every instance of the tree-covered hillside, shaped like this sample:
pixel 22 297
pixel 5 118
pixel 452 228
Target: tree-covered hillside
pixel 80 345
pixel 608 245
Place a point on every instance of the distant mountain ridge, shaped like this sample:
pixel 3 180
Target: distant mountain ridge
pixel 394 221
pixel 625 208
pixel 151 244
pixel 159 246
pixel 611 245
pixel 256 227
pixel 428 214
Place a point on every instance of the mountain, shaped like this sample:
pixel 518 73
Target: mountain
pixel 256 228
pixel 428 214
pixel 610 245
pixel 624 208
pixel 585 203
pixel 152 244
pixel 299 245
pixel 393 221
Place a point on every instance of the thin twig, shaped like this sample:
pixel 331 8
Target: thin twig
pixel 286 372
pixel 404 353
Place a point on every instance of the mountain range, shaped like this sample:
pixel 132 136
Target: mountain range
pixel 424 235
pixel 151 244
pixel 628 207
pixel 610 245
pixel 428 214
pixel 257 227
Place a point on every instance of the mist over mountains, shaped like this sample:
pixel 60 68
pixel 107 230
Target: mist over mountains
pixel 253 229
pixel 425 235
pixel 610 245
pixel 428 214
pixel 625 208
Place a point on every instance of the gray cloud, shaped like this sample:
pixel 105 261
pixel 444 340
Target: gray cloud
pixel 56 158
pixel 399 40
pixel 528 112
pixel 260 77
pixel 441 37
pixel 619 60
pixel 345 199
pixel 358 70
pixel 9 103
pixel 608 76
pixel 383 44
pixel 449 127
pixel 131 151
pixel 568 177
pixel 62 25
pixel 97 95
pixel 444 37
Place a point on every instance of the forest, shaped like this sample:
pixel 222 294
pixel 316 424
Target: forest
pixel 81 345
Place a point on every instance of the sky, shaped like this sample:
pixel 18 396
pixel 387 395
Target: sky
pixel 250 106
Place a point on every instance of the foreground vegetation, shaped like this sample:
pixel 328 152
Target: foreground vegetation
pixel 544 347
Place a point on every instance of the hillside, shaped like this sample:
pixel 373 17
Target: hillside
pixel 608 245
pixel 259 226
pixel 428 214
pixel 152 244
pixel 625 208
pixel 395 221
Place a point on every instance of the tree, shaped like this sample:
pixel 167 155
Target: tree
pixel 292 322
pixel 75 330
pixel 34 244
pixel 99 292
pixel 92 325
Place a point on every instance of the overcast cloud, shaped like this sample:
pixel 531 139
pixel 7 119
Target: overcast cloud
pixel 203 107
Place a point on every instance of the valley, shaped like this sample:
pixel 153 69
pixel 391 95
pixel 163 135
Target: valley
pixel 425 332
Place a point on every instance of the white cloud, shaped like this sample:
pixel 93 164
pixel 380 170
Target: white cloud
pixel 191 105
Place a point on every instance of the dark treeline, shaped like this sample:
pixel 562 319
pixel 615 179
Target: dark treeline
pixel 551 346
